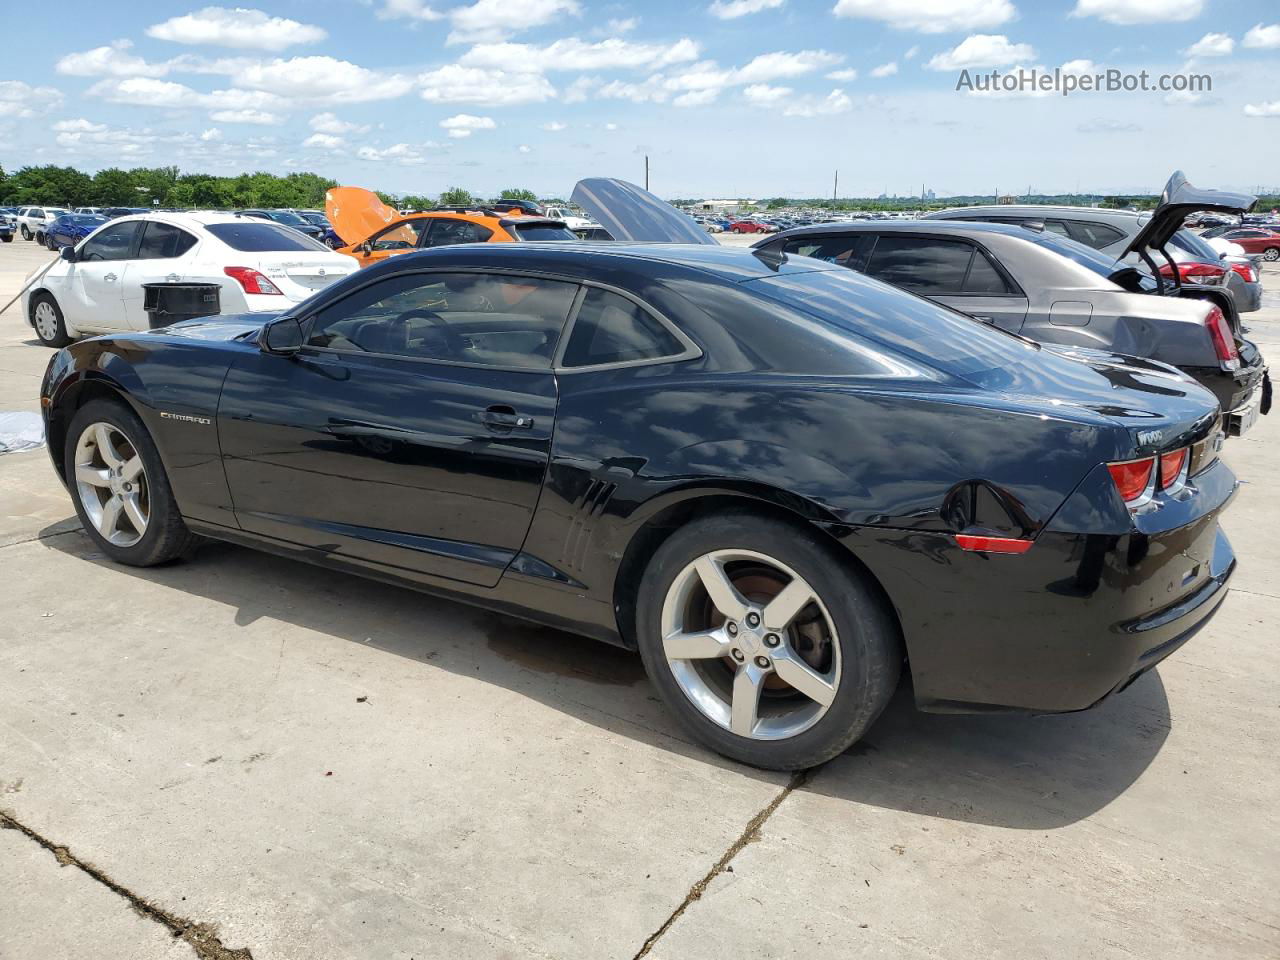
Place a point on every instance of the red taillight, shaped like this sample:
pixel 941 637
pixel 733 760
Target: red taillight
pixel 251 281
pixel 1171 465
pixel 1246 271
pixel 1200 273
pixel 1224 343
pixel 1132 478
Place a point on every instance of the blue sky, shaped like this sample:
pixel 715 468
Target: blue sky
pixel 727 97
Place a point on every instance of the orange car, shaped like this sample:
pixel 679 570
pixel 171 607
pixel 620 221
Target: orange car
pixel 373 231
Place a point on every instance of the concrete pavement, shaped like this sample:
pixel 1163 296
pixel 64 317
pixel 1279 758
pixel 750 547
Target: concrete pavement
pixel 243 756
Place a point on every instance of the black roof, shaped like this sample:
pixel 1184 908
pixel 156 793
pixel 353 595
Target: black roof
pixel 588 259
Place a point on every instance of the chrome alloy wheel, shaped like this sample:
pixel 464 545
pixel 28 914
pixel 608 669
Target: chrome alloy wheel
pixel 46 320
pixel 112 484
pixel 751 645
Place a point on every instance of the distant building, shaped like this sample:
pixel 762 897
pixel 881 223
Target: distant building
pixel 1007 198
pixel 725 206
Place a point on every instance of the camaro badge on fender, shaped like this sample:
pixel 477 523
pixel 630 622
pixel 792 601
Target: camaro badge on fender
pixel 205 421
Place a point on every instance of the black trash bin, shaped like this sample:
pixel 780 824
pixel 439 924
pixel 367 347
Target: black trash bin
pixel 167 303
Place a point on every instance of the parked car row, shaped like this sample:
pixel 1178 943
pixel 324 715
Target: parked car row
pixel 635 442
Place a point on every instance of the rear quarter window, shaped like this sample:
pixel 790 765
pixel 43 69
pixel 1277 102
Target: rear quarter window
pixel 257 236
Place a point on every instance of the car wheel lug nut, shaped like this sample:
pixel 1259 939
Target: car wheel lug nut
pixel 753 619
pixel 772 640
pixel 732 629
pixel 762 662
pixel 738 655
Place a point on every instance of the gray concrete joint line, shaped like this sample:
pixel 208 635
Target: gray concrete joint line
pixel 750 834
pixel 201 937
pixel 40 536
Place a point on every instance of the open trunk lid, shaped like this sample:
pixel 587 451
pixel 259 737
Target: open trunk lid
pixel 1178 199
pixel 629 212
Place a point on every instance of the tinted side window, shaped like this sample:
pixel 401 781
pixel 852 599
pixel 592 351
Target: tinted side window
pixel 445 232
pixel 613 329
pixel 984 278
pixel 473 318
pixel 921 264
pixel 1096 235
pixel 403 236
pixel 113 242
pixel 849 250
pixel 161 241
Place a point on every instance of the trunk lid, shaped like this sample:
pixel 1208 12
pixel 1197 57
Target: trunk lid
pixel 629 212
pixel 299 275
pixel 1179 199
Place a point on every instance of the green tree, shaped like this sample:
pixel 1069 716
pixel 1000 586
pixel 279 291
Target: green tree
pixel 114 187
pixel 456 197
pixel 515 193
pixel 62 186
pixel 416 201
pixel 388 199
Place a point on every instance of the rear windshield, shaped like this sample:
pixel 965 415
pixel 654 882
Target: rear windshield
pixel 1100 263
pixel 919 329
pixel 258 236
pixel 543 231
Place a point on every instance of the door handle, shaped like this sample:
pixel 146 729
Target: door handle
pixel 503 417
pixel 173 278
pixel 110 277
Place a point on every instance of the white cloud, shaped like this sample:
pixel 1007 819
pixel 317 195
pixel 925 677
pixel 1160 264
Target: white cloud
pixel 574 54
pixel 763 95
pixel 837 101
pixel 1128 12
pixel 982 50
pixel 1267 109
pixel 1262 37
pixel 406 154
pixel 885 69
pixel 465 124
pixel 1211 45
pixel 329 123
pixel 150 92
pixel 772 66
pixel 491 88
pixel 80 125
pixel 554 126
pixel 325 141
pixel 611 126
pixel 617 26
pixel 111 61
pixel 21 100
pixel 238 27
pixel 408 10
pixel 259 117
pixel 701 83
pixel 930 16
pixel 911 52
pixel 1101 125
pixel 732 9
pixel 697 98
pixel 495 19
pixel 323 80
pixel 844 76
pixel 213 133
pixel 580 89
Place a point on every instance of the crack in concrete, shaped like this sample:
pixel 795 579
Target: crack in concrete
pixel 201 937
pixel 40 536
pixel 750 834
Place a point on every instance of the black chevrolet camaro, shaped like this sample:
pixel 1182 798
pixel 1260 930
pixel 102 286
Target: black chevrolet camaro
pixel 783 483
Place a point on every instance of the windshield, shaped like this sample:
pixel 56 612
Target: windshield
pixel 919 329
pixel 1196 246
pixel 85 220
pixel 316 219
pixel 258 236
pixel 543 231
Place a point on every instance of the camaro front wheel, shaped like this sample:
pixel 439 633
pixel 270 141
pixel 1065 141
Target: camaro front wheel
pixel 768 646
pixel 119 486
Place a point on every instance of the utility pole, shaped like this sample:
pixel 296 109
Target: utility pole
pixel 646 171
pixel 835 186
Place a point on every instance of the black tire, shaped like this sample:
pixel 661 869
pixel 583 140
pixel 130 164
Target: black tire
pixel 867 634
pixel 26 232
pixel 166 536
pixel 41 239
pixel 59 337
pixel 7 238
pixel 1271 254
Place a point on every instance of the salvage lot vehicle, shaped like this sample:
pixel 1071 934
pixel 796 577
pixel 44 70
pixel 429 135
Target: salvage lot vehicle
pixel 69 229
pixel 382 232
pixel 1253 239
pixel 1048 288
pixel 33 220
pixel 633 442
pixel 96 286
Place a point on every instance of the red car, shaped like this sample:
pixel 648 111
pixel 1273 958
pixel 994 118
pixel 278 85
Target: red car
pixel 1253 239
pixel 751 226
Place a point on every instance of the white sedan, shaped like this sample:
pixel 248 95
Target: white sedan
pixel 96 286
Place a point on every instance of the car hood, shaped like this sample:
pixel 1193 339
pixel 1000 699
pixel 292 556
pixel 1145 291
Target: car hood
pixel 224 327
pixel 356 213
pixel 1179 199
pixel 629 212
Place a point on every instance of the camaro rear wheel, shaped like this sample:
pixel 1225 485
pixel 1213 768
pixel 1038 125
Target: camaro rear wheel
pixel 119 486
pixel 46 318
pixel 767 646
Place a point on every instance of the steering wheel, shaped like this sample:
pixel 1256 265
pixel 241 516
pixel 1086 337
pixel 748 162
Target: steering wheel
pixel 453 340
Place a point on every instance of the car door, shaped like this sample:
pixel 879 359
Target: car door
pixel 162 256
pixel 96 291
pixel 953 272
pixel 412 430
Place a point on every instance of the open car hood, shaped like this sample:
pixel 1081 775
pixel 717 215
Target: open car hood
pixel 356 213
pixel 629 212
pixel 1179 199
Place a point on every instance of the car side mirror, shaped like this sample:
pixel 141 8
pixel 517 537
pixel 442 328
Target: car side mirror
pixel 282 337
pixel 69 254
pixel 367 247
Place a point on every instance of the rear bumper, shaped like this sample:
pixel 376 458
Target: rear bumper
pixel 1233 387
